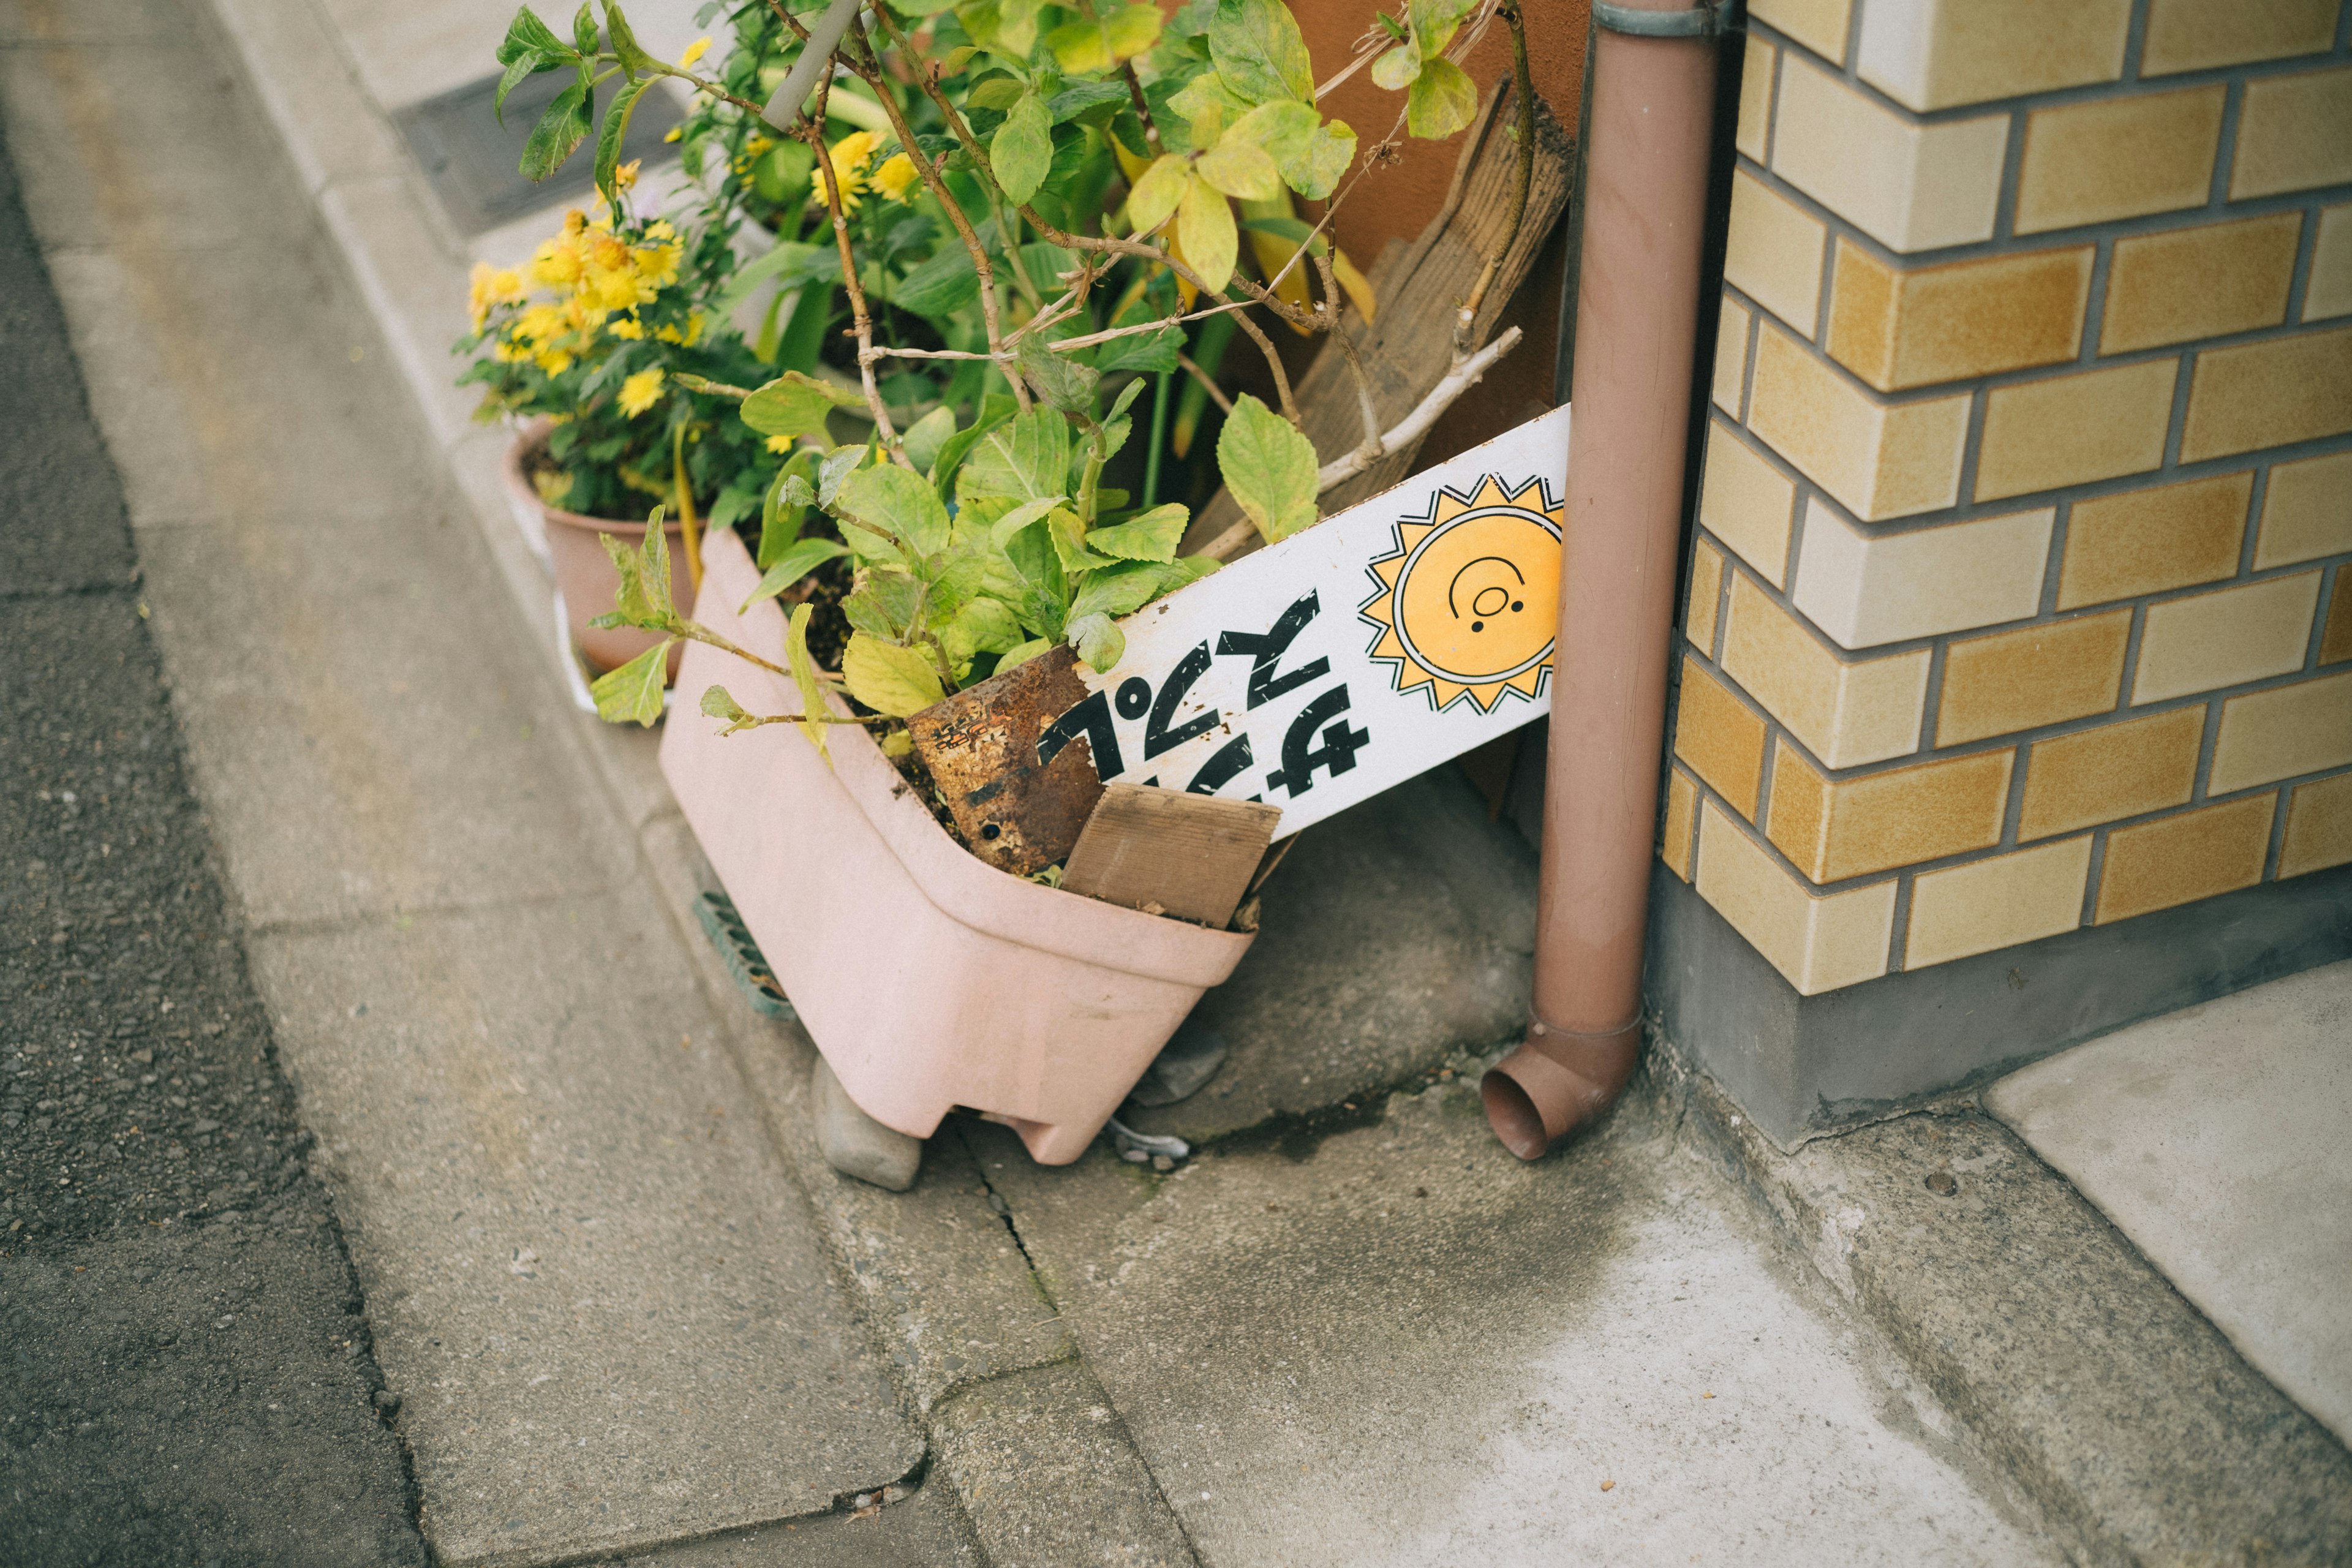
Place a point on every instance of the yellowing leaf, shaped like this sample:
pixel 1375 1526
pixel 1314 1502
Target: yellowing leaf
pixel 634 691
pixel 793 405
pixel 1132 30
pixel 1359 286
pixel 1315 173
pixel 1260 52
pixel 1148 536
pixel 1240 168
pixel 888 679
pixel 804 677
pixel 1099 642
pixel 1205 228
pixel 1443 101
pixel 1270 469
pixel 1395 71
pixel 1158 193
pixel 1079 47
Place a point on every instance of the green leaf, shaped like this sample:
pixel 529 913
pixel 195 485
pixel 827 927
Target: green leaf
pixel 838 466
pixel 1435 23
pixel 1022 653
pixel 1395 70
pixel 1080 46
pixel 1132 30
pixel 524 65
pixel 888 679
pixel 584 29
pixel 1157 194
pixel 1315 174
pixel 1120 405
pixel 1028 512
pixel 785 506
pixel 634 691
pixel 1100 644
pixel 941 286
pixel 1282 128
pixel 1443 101
pixel 1205 229
pixel 717 702
pixel 608 138
pixel 1239 169
pixel 560 130
pixel 998 93
pixel 983 626
pixel 1069 536
pixel 1023 149
pixel 799 559
pixel 1270 469
pixel 1076 98
pixel 1148 536
pixel 897 502
pixel 1024 459
pixel 634 59
pixel 642 601
pixel 1120 590
pixel 1260 52
pixel 803 668
pixel 926 435
pixel 793 405
pixel 1154 351
pixel 994 410
pixel 526 34
pixel 1208 105
pixel 1060 379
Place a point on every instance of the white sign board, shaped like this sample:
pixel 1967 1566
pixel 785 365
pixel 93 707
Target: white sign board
pixel 1348 659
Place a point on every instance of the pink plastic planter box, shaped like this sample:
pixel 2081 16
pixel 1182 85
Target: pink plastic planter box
pixel 928 978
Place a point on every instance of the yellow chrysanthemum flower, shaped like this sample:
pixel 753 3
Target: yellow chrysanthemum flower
pixel 554 362
pixel 694 52
pixel 556 263
pixel 780 443
pixel 627 327
pixel 493 286
pixel 850 157
pixel 640 392
pixel 625 175
pixel 896 177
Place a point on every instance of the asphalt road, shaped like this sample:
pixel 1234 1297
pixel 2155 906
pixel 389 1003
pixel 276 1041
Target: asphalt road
pixel 185 1375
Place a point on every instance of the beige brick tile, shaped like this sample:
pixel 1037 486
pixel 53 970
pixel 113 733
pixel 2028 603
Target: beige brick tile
pixel 2200 282
pixel 2197 35
pixel 2178 860
pixel 2308 511
pixel 1817 944
pixel 1731 356
pixel 1865 590
pixel 2118 157
pixel 2146 542
pixel 1818 24
pixel 1675 833
pixel 2072 429
pixel 2110 772
pixel 1747 502
pixel 1934 54
pixel 2319 826
pixel 1754 99
pixel 2288 730
pixel 1705 595
pixel 1834 829
pixel 1773 253
pixel 2329 290
pixel 2335 636
pixel 1719 738
pixel 2225 637
pixel 1881 461
pixel 2295 388
pixel 1845 713
pixel 1910 187
pixel 1898 329
pixel 2032 676
pixel 2295 132
pixel 1994 903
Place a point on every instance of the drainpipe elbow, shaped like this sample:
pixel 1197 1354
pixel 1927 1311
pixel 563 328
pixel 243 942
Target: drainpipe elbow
pixel 1556 1081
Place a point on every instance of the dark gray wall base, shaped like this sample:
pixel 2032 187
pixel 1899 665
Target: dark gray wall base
pixel 1800 1065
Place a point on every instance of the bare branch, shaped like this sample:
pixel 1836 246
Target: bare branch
pixel 1208 384
pixel 814 134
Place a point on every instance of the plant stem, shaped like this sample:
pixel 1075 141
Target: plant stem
pixel 1522 176
pixel 1208 384
pixel 688 534
pixel 1159 435
pixel 863 322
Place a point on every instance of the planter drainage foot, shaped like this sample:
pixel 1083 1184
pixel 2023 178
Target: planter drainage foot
pixel 1137 1148
pixel 728 934
pixel 855 1143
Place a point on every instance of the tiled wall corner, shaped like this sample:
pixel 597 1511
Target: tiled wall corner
pixel 2023 593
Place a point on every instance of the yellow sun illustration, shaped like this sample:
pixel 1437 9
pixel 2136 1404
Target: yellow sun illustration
pixel 1469 601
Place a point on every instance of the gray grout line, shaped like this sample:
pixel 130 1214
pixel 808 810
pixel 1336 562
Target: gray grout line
pixel 2094 875
pixel 2225 146
pixel 2277 846
pixel 2135 44
pixel 2206 743
pixel 2093 327
pixel 2306 250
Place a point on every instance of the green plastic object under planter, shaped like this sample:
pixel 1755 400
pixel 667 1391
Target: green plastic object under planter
pixel 735 945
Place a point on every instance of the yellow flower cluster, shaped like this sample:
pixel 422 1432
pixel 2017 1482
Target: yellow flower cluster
pixel 852 154
pixel 598 280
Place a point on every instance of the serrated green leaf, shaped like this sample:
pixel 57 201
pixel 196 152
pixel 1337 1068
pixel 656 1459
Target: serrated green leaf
pixel 1259 51
pixel 981 625
pixel 1158 193
pixel 994 410
pixel 526 34
pixel 1206 231
pixel 896 501
pixel 941 286
pixel 584 29
pixel 1120 590
pixel 799 559
pixel 804 678
pixel 888 679
pixel 926 435
pixel 529 63
pixel 1068 533
pixel 634 691
pixel 793 405
pixel 618 32
pixel 609 136
pixel 1075 100
pixel 1270 469
pixel 1239 169
pixel 1028 512
pixel 1443 101
pixel 1099 643
pixel 1025 458
pixel 1124 400
pixel 998 93
pixel 1023 149
pixel 887 605
pixel 1148 536
pixel 560 130
pixel 1153 351
pixel 1062 380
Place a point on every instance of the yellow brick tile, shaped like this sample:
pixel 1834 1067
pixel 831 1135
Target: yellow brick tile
pixel 1995 903
pixel 2295 388
pixel 2225 637
pixel 2178 860
pixel 2335 636
pixel 1817 944
pixel 2197 35
pixel 1880 460
pixel 1908 186
pixel 2308 511
pixel 1834 829
pixel 1675 833
pixel 2071 429
pixel 1898 330
pixel 2319 826
pixel 2110 772
pixel 1755 98
pixel 1846 713
pixel 1773 253
pixel 1706 593
pixel 1731 356
pixel 2118 157
pixel 2145 542
pixel 1818 24
pixel 2032 676
pixel 1720 739
pixel 2266 736
pixel 1864 589
pixel 2294 133
pixel 2200 282
pixel 1746 503
pixel 1933 54
pixel 2329 291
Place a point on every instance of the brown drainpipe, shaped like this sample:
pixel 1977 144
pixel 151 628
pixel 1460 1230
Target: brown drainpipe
pixel 1651 89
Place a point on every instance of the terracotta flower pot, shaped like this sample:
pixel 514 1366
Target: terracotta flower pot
pixel 928 978
pixel 582 571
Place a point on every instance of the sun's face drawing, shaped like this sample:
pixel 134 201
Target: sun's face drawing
pixel 1469 601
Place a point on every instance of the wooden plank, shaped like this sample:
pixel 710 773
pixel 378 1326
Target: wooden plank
pixel 1167 852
